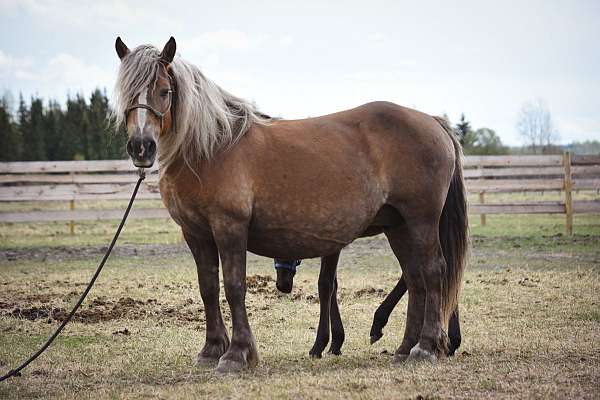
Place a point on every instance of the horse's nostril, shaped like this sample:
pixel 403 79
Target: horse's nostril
pixel 152 147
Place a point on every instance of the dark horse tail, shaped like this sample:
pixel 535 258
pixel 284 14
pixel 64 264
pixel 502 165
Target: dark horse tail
pixel 454 229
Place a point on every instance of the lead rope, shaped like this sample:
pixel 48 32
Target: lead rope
pixel 16 371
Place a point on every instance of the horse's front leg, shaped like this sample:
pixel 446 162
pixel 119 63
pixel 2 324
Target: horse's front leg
pixel 337 328
pixel 231 238
pixel 326 287
pixel 206 256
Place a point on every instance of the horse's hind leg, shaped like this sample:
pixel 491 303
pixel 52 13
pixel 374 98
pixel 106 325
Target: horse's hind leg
pixel 206 256
pixel 400 243
pixel 427 265
pixel 326 286
pixel 380 319
pixel 337 328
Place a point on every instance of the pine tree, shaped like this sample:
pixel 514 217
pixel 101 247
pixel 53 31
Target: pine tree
pixel 10 139
pixel 74 130
pixel 53 125
pixel 117 144
pixel 99 129
pixel 23 126
pixel 463 128
pixel 33 137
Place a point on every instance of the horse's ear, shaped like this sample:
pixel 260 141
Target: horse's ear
pixel 168 52
pixel 122 49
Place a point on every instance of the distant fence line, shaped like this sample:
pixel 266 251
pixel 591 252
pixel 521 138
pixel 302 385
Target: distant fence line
pixel 114 180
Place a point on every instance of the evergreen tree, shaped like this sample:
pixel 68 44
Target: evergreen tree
pixel 99 133
pixel 10 139
pixel 74 130
pixel 33 137
pixel 463 129
pixel 53 124
pixel 23 126
pixel 83 131
pixel 117 143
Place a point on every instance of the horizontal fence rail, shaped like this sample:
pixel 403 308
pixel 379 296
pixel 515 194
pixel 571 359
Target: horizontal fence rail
pixel 73 181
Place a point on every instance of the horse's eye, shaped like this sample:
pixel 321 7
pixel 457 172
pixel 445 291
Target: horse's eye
pixel 164 93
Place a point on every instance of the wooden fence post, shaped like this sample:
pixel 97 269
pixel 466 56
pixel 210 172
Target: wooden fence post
pixel 72 207
pixel 71 222
pixel 568 192
pixel 481 194
pixel 482 200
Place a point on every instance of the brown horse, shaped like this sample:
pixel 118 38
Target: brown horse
pixel 376 168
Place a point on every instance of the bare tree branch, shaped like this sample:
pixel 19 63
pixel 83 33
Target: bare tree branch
pixel 535 126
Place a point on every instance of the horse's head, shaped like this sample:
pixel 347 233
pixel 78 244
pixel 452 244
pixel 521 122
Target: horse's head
pixel 149 114
pixel 286 270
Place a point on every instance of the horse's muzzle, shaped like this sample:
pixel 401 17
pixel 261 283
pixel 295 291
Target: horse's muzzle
pixel 142 150
pixel 285 280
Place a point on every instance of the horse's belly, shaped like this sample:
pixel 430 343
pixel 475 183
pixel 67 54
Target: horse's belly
pixel 287 243
pixel 300 234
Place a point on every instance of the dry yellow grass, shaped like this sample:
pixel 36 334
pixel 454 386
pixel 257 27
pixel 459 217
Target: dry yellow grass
pixel 530 318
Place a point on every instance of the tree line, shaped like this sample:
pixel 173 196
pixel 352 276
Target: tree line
pixel 39 131
pixel 80 130
pixel 482 141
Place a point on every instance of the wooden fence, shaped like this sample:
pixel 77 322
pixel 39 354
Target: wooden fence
pixel 76 181
pixel 565 173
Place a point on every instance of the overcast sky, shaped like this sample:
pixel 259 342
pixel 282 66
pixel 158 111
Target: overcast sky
pixel 303 58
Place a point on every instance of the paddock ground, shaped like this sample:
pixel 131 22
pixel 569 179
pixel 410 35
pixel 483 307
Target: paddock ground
pixel 530 318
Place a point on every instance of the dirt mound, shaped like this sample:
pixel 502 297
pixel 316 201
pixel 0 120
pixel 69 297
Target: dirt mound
pixel 370 291
pixel 259 284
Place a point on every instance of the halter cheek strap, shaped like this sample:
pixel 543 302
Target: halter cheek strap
pixel 157 114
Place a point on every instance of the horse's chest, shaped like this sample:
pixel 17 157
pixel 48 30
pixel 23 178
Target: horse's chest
pixel 183 211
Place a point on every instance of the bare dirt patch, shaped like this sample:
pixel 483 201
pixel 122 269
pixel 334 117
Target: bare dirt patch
pixel 35 307
pixel 64 253
pixel 370 291
pixel 101 309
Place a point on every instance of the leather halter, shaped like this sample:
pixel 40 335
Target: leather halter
pixel 158 114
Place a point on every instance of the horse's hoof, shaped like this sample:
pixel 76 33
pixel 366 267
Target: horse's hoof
pixel 314 354
pixel 419 354
pixel 206 361
pixel 399 358
pixel 227 366
pixel 375 337
pixel 213 350
pixel 335 352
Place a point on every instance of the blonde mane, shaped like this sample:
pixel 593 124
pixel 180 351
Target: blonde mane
pixel 207 118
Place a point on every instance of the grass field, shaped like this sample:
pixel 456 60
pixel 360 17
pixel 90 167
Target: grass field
pixel 530 318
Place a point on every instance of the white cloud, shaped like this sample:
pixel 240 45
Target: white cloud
pixel 225 40
pixel 14 66
pixel 377 37
pixel 74 73
pixel 25 75
pixel 92 14
pixel 210 48
pixel 286 41
pixel 61 73
pixel 9 7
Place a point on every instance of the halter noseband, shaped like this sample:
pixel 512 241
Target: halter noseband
pixel 157 114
